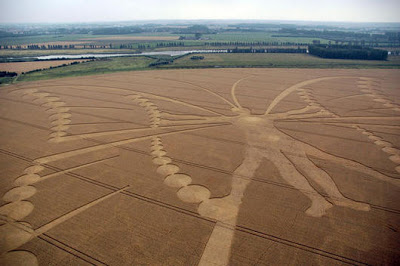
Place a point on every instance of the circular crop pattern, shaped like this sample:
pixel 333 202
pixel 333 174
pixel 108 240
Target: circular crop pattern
pixel 264 140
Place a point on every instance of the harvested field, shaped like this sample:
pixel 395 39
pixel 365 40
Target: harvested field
pixel 202 167
pixel 20 67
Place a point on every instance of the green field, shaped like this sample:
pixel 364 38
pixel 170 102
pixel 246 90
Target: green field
pixel 7 80
pixel 210 61
pixel 104 39
pixel 278 60
pixel 91 68
pixel 257 37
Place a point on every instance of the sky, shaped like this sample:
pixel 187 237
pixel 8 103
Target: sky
pixel 52 11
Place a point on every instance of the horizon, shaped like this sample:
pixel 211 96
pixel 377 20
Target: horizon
pixel 101 11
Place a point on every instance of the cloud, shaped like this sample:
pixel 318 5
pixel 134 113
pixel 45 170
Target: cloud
pixel 120 10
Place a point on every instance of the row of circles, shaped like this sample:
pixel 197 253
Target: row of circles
pixel 15 232
pixel 366 87
pixel 307 96
pixel 59 113
pixel 387 147
pixel 171 172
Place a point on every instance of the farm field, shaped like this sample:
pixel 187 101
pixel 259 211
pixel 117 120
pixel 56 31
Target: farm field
pixel 209 61
pixel 202 167
pixel 20 67
pixel 258 37
pixel 148 41
pixel 135 38
pixel 148 36
pixel 33 53
pixel 41 39
pixel 91 68
pixel 279 60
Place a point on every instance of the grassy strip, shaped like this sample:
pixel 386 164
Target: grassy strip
pixel 210 61
pixel 6 80
pixel 91 68
pixel 278 60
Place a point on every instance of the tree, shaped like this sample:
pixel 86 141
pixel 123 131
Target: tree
pixel 198 35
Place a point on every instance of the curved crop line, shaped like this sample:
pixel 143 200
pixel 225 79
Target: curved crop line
pixel 346 118
pixel 365 87
pixel 292 88
pixel 233 91
pixel 171 172
pixel 149 95
pixel 350 164
pixel 203 88
pixel 348 124
pixel 117 132
pixel 72 153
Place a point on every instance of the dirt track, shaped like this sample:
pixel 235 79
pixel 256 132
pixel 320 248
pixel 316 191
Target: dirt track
pixel 202 167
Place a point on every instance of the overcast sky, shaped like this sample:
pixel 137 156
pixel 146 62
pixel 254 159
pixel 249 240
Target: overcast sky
pixel 123 10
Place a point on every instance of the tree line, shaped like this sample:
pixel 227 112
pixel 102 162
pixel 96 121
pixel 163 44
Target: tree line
pixel 54 47
pixel 170 44
pixel 144 46
pixel 347 52
pixel 390 38
pixel 255 44
pixel 7 74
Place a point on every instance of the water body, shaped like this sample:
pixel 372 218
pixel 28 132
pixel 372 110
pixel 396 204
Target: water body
pixel 170 53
